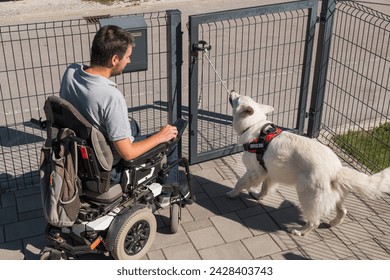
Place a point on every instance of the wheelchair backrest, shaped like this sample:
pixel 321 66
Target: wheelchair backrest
pixel 94 153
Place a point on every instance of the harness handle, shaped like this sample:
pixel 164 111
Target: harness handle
pixel 259 145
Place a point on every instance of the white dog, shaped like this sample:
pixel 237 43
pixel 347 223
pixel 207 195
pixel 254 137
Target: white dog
pixel 322 183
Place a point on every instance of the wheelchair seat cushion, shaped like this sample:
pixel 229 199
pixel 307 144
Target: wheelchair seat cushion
pixel 111 195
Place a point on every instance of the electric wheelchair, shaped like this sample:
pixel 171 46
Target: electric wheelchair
pixel 115 219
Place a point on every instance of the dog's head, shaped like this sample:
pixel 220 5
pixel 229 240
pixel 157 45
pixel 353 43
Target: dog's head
pixel 246 112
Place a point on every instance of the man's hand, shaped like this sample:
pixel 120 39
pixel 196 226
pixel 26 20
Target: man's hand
pixel 129 150
pixel 167 133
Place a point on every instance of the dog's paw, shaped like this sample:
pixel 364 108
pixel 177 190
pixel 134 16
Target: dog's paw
pixel 256 195
pixel 295 232
pixel 304 230
pixel 335 222
pixel 231 194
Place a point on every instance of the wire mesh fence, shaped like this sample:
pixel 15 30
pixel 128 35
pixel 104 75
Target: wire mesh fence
pixel 35 57
pixel 356 109
pixel 266 56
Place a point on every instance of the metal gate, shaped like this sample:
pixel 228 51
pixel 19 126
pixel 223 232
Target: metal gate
pixel 263 52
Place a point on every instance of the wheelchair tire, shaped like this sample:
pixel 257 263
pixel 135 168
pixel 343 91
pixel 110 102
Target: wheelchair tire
pixel 45 255
pixel 50 255
pixel 175 208
pixel 135 236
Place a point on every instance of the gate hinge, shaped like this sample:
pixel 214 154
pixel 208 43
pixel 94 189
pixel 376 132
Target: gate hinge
pixel 321 19
pixel 312 112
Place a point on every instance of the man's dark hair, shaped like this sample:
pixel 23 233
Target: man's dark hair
pixel 110 40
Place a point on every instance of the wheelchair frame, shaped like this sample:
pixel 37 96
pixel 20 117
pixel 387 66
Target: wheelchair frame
pixel 125 227
pixel 66 243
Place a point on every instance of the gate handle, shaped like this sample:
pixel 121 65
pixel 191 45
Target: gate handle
pixel 201 46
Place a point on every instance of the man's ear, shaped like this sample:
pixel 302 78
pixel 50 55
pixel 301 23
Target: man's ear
pixel 114 60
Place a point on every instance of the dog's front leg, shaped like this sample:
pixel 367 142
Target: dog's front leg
pixel 249 180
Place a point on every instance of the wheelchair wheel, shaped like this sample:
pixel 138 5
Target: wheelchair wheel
pixel 135 236
pixel 45 255
pixel 175 208
pixel 53 255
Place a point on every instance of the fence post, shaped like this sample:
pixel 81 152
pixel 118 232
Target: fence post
pixel 307 63
pixel 193 79
pixel 174 63
pixel 321 66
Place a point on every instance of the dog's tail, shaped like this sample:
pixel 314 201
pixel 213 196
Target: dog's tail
pixel 372 186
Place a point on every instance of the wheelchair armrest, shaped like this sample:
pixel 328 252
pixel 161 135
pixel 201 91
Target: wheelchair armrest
pixel 181 125
pixel 154 153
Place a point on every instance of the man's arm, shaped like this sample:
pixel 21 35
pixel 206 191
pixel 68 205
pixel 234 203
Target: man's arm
pixel 130 150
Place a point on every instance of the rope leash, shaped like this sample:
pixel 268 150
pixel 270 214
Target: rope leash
pixel 215 70
pixel 204 47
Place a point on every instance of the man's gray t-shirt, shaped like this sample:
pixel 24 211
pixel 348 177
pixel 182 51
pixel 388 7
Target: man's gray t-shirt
pixel 98 100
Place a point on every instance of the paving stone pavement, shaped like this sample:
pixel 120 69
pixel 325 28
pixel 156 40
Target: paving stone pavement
pixel 216 227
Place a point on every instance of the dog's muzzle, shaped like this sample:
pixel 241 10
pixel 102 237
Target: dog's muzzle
pixel 231 97
pixel 231 100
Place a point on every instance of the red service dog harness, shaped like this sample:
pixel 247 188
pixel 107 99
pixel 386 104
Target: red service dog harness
pixel 259 145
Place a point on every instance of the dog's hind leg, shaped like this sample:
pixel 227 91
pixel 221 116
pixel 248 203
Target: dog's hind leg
pixel 341 212
pixel 266 187
pixel 302 231
pixel 312 207
pixel 249 180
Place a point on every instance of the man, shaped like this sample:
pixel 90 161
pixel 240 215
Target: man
pixel 97 98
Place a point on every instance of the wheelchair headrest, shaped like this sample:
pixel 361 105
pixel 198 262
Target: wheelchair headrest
pixel 60 113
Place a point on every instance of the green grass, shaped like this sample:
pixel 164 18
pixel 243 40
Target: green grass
pixel 370 148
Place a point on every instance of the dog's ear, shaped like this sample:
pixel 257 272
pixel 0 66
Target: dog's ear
pixel 266 109
pixel 248 111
